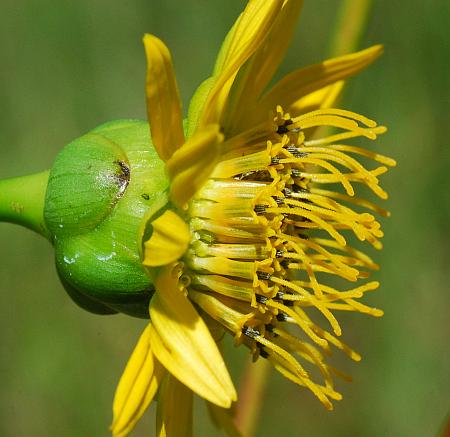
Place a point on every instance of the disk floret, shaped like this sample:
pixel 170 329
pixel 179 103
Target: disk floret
pixel 265 236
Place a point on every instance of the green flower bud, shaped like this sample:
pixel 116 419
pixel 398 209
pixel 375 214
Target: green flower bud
pixel 101 190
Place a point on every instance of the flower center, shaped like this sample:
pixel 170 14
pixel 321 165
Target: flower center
pixel 266 238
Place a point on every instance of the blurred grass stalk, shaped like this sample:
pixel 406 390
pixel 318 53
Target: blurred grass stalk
pixel 349 28
pixel 350 25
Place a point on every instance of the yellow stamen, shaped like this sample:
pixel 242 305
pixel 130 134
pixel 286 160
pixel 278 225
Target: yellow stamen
pixel 257 257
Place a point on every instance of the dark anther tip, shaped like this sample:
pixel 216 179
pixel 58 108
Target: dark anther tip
pixel 282 317
pixel 261 299
pixel 262 352
pixel 250 332
pixel 285 264
pixel 282 130
pixel 279 295
pixel 269 327
pixel 263 275
pixel 260 209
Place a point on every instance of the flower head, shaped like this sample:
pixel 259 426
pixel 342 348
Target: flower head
pixel 255 232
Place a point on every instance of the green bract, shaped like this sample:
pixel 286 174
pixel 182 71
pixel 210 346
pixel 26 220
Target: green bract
pixel 101 189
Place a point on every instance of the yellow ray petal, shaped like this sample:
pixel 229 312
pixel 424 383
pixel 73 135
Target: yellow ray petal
pixel 225 48
pixel 269 56
pixel 163 100
pixel 260 68
pixel 183 344
pixel 174 413
pixel 257 16
pixel 251 30
pixel 201 93
pixel 169 240
pixel 307 80
pixel 136 388
pixel 191 165
pixel 196 105
pixel 223 420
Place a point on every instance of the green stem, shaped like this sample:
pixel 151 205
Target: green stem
pixel 251 396
pixel 349 27
pixel 22 201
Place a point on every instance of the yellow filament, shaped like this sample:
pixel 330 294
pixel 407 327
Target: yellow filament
pixel 340 158
pixel 341 269
pixel 355 200
pixel 336 342
pixel 286 356
pixel 322 223
pixel 337 122
pixel 302 323
pixel 308 268
pixel 338 175
pixel 355 253
pixel 316 389
pixel 367 132
pixel 340 112
pixel 307 352
pixel 364 152
pixel 346 219
pixel 294 287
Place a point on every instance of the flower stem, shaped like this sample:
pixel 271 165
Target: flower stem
pixel 22 201
pixel 251 396
pixel 349 27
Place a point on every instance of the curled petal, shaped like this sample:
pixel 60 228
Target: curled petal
pixel 169 240
pixel 192 164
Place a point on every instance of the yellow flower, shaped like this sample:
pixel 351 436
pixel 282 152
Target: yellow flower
pixel 252 241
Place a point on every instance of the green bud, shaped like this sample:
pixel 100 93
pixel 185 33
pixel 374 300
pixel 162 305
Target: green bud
pixel 101 190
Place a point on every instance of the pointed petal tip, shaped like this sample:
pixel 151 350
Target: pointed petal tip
pixel 373 52
pixel 229 395
pixel 379 48
pixel 146 38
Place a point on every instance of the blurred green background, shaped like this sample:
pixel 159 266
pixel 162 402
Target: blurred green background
pixel 68 66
